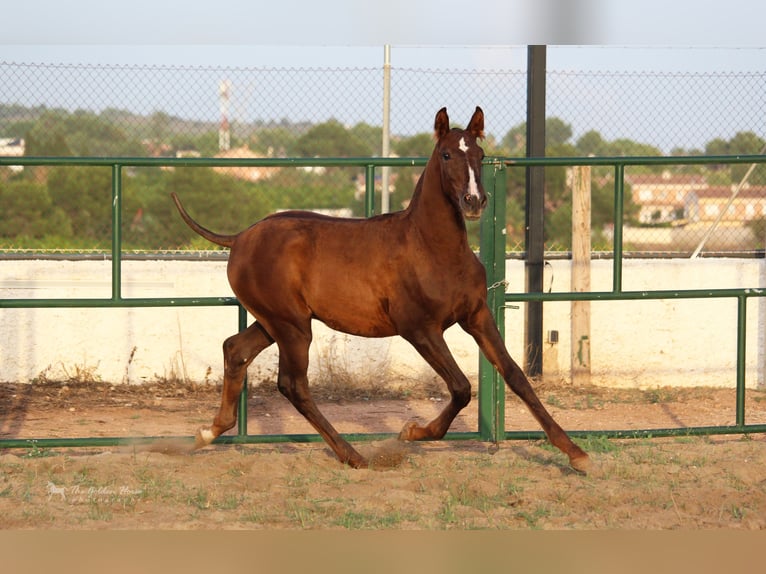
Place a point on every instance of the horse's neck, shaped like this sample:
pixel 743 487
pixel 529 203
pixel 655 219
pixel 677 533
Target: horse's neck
pixel 432 212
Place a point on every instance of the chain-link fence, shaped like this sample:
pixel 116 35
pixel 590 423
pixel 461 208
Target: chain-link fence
pixel 103 110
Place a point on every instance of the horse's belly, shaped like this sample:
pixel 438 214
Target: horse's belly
pixel 367 323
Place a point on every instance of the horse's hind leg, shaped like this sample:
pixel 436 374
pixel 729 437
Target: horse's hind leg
pixel 433 349
pixel 238 352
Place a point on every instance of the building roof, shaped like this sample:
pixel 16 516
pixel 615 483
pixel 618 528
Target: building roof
pixel 725 191
pixel 665 178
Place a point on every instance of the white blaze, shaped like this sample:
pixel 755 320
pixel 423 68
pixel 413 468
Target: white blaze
pixel 473 187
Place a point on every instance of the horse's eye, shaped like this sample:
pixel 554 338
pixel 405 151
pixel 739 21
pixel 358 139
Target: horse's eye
pixel 445 155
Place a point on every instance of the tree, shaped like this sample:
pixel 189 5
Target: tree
pixel 331 139
pixel 419 145
pixel 717 146
pixel 47 137
pixel 624 147
pixel 371 136
pixel 273 141
pixel 84 194
pixel 557 132
pixel 159 126
pixel 591 144
pixel 746 143
pixel 28 212
pixel 515 141
pixel 82 133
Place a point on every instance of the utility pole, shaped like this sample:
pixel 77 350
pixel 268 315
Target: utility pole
pixel 385 202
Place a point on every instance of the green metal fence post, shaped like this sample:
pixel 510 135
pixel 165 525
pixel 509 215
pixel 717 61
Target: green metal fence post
pixel 619 208
pixel 491 392
pixel 369 190
pixel 242 406
pixel 741 358
pixel 116 232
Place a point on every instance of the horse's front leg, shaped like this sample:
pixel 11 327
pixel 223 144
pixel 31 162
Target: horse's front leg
pixel 294 340
pixel 433 349
pixel 483 329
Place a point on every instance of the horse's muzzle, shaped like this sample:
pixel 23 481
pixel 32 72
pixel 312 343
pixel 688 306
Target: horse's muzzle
pixel 473 205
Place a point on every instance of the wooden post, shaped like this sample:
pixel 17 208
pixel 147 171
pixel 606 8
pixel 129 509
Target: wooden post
pixel 581 214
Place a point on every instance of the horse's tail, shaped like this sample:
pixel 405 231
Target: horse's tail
pixel 218 239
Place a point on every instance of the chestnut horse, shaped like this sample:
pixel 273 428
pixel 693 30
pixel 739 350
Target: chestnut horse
pixel 409 273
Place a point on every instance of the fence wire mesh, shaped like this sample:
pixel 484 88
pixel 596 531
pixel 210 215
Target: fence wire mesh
pixel 107 110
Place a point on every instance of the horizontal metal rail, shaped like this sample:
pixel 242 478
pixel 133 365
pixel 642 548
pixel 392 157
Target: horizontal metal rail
pixel 635 295
pixel 148 441
pixel 120 302
pixel 215 162
pixel 374 161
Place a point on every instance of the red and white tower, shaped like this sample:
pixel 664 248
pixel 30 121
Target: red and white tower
pixel 224 136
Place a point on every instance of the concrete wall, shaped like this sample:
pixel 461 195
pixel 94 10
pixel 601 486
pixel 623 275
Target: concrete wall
pixel 633 343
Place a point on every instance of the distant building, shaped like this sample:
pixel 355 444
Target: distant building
pixel 155 148
pixel 662 198
pixel 13 147
pixel 707 203
pixel 188 153
pixel 242 172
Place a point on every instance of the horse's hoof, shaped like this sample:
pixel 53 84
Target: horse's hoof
pixel 407 431
pixel 203 437
pixel 357 463
pixel 580 463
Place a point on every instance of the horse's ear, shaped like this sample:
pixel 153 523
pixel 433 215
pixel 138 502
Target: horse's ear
pixel 441 123
pixel 476 125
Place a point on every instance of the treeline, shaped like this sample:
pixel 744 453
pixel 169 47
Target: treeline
pixel 69 207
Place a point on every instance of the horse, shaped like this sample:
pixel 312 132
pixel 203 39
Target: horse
pixel 410 273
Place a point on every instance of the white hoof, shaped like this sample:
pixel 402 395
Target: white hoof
pixel 204 437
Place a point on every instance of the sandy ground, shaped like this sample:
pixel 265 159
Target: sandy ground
pixel 648 483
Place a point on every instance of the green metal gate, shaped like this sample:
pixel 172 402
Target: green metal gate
pixel 491 394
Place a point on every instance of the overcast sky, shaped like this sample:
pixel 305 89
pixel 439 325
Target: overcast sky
pixel 479 33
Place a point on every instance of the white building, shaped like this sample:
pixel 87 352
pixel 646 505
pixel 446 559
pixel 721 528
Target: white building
pixel 13 147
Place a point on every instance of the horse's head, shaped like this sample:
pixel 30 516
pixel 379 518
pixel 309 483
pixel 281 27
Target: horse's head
pixel 459 158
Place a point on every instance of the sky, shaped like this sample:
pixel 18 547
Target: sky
pixel 475 33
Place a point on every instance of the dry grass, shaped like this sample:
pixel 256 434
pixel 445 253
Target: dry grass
pixel 658 484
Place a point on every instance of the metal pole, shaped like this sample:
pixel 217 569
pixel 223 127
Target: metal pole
pixel 116 232
pixel 619 209
pixel 385 206
pixel 535 206
pixel 741 358
pixel 369 191
pixel 242 404
pixel 491 393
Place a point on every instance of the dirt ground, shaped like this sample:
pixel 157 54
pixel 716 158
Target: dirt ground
pixel 646 483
